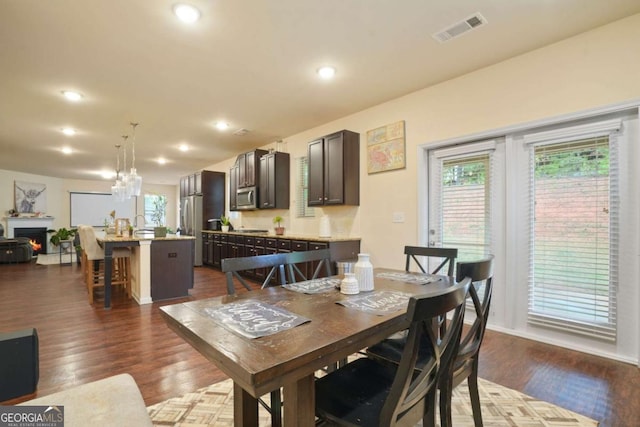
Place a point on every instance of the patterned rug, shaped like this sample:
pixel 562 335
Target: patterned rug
pixel 53 259
pixel 501 406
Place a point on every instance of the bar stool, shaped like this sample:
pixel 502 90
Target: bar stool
pixel 93 259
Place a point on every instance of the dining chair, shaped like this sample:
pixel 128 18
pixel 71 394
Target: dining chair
pixel 446 256
pixel 294 259
pixel 367 392
pixel 465 363
pixel 93 255
pixel 295 274
pixel 232 268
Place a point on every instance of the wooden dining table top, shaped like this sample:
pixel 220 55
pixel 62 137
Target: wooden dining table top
pixel 260 365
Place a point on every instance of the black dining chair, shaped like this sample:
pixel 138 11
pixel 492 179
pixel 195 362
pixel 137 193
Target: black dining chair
pixel 321 258
pixel 446 256
pixel 367 392
pixel 232 267
pixel 465 363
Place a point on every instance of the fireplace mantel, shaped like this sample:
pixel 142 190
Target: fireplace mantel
pixel 27 222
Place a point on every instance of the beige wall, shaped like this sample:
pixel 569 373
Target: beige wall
pixel 594 69
pixel 58 195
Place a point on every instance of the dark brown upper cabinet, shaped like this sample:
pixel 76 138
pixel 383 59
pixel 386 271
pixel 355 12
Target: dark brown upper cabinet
pixel 248 168
pixel 273 190
pixel 334 169
pixel 191 185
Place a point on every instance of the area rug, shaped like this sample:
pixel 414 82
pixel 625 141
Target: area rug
pixel 52 259
pixel 501 406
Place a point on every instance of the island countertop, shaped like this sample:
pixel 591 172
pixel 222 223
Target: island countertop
pixel 140 237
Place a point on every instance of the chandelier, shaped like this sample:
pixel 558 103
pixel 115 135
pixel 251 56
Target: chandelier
pixel 127 185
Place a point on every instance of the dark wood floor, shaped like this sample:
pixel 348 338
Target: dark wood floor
pixel 80 343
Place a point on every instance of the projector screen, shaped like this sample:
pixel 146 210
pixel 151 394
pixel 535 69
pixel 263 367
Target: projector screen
pixel 93 208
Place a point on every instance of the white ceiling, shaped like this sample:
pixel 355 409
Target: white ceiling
pixel 249 62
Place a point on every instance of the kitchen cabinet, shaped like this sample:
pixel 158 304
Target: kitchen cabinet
pixel 273 187
pixel 171 268
pixel 191 185
pixel 217 251
pixel 233 187
pixel 207 249
pixel 232 245
pixel 334 169
pixel 249 168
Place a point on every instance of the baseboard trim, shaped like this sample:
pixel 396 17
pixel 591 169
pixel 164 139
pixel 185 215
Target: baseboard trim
pixel 563 344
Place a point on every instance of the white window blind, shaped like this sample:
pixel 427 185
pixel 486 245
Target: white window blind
pixel 302 189
pixel 573 238
pixel 461 202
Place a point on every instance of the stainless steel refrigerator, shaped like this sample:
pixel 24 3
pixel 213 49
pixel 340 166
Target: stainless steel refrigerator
pixel 191 222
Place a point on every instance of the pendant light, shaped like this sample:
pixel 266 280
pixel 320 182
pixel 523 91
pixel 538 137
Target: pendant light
pixel 134 181
pixel 118 188
pixel 123 176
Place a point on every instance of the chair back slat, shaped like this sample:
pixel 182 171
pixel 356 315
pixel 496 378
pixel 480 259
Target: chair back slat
pixel 481 275
pixel 449 256
pixel 232 266
pixel 294 258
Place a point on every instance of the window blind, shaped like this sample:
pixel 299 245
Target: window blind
pixel 573 235
pixel 461 206
pixel 302 188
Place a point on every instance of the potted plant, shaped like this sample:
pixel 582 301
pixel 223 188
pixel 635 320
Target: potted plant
pixel 62 237
pixel 225 223
pixel 278 228
pixel 157 216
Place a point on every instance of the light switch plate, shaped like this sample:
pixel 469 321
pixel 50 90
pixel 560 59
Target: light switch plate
pixel 398 217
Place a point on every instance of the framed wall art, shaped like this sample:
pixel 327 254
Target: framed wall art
pixel 30 198
pixel 386 148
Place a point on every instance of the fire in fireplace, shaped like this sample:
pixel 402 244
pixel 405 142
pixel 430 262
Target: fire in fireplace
pixel 37 237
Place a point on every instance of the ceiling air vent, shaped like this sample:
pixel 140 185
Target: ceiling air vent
pixel 474 21
pixel 241 132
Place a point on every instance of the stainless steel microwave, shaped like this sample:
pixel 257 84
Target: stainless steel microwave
pixel 246 198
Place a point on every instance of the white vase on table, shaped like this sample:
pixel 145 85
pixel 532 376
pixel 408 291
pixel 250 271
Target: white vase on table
pixel 364 273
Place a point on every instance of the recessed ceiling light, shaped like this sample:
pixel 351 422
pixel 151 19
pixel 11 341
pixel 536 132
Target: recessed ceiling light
pixel 67 150
pixel 69 131
pixel 71 95
pixel 162 161
pixel 326 72
pixel 186 13
pixel 222 125
pixel 183 147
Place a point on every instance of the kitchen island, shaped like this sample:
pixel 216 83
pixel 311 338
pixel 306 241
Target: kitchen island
pixel 161 267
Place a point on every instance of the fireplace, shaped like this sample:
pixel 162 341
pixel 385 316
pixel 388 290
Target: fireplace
pixel 35 234
pixel 42 223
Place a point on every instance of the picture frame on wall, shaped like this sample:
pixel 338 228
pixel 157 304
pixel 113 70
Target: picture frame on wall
pixel 30 198
pixel 386 148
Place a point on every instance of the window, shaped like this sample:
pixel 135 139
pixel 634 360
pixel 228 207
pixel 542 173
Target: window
pixel 461 204
pixel 302 190
pixel 573 239
pixel 155 209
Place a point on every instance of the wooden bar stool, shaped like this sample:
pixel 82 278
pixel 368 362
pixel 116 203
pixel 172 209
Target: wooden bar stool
pixel 93 257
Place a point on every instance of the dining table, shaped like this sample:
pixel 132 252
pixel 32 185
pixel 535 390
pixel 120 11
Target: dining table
pixel 329 327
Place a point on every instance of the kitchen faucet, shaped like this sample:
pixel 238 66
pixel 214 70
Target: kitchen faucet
pixel 135 221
